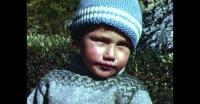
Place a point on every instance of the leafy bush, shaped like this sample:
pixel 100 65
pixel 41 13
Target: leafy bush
pixel 155 69
pixel 45 52
pixel 50 16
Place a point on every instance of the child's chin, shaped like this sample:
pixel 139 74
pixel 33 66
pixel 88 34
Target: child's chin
pixel 104 74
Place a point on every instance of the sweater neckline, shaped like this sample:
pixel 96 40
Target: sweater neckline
pixel 77 66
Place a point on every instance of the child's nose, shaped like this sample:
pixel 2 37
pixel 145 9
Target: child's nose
pixel 109 54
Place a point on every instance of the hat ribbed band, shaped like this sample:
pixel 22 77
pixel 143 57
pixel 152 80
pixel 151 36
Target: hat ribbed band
pixel 112 11
pixel 102 13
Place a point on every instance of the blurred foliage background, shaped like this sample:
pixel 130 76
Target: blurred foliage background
pixel 48 47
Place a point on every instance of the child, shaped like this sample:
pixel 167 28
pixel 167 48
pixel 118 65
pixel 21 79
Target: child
pixel 106 32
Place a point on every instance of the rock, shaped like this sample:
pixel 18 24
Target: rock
pixel 158 28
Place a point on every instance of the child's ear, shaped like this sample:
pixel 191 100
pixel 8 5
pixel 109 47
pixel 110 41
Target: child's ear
pixel 75 44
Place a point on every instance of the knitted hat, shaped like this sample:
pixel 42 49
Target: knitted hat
pixel 124 15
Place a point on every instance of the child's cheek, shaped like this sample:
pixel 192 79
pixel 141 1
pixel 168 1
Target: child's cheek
pixel 97 52
pixel 122 60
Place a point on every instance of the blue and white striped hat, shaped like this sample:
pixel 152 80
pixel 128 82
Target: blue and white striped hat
pixel 124 15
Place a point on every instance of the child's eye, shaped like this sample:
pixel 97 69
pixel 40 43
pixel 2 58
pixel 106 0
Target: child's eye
pixel 123 45
pixel 99 40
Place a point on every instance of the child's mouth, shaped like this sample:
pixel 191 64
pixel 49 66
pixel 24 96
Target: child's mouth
pixel 106 67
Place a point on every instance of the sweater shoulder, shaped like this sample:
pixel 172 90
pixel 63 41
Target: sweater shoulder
pixel 131 82
pixel 127 87
pixel 57 76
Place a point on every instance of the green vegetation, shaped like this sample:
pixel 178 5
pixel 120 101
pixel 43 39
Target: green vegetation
pixel 45 53
pixel 50 16
pixel 148 5
pixel 156 71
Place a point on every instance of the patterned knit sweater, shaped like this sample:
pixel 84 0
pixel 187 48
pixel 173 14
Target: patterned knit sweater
pixel 73 87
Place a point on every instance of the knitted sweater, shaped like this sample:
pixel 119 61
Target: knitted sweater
pixel 72 87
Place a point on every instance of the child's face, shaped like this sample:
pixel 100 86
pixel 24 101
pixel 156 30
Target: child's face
pixel 105 52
